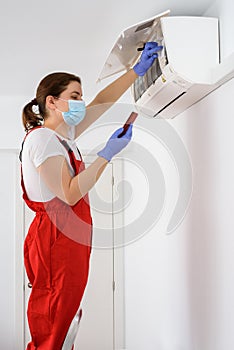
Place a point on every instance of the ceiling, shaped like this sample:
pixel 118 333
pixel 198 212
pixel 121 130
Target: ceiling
pixel 38 37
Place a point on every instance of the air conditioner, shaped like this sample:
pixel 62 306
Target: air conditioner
pixel 187 69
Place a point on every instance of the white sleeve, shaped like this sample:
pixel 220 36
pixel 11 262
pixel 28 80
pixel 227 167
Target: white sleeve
pixel 43 144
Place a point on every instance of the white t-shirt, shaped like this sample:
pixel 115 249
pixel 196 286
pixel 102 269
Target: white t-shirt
pixel 39 145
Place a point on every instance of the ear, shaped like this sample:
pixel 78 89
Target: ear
pixel 50 102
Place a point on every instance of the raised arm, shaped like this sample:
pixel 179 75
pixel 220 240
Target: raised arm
pixel 109 95
pixel 105 99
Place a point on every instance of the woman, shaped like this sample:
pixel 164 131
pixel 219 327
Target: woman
pixel 55 185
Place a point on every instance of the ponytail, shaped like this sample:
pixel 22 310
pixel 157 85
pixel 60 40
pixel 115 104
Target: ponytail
pixel 30 117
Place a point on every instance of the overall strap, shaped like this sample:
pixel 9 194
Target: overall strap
pixel 22 145
pixel 70 152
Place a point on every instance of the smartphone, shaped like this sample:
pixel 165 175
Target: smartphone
pixel 131 119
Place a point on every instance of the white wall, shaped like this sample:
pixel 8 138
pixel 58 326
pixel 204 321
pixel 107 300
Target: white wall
pixel 179 288
pixel 12 131
pixel 11 253
pixel 210 241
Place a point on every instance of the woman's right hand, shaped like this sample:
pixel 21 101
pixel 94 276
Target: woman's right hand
pixel 115 144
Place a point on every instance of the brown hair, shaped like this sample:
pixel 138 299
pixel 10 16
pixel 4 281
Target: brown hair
pixel 53 84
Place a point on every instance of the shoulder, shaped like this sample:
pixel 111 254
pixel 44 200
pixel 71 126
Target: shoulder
pixel 42 138
pixel 40 135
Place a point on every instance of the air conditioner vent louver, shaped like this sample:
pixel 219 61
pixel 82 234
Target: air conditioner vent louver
pixel 142 83
pixel 172 101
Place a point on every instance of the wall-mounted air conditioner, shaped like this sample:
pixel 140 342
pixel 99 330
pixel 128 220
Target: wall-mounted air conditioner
pixel 187 69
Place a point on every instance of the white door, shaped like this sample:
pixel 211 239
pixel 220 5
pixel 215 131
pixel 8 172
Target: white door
pixel 97 326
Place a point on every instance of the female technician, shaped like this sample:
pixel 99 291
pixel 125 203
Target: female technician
pixel 55 185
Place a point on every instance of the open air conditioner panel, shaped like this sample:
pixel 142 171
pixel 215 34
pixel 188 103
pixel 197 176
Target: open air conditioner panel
pixel 124 52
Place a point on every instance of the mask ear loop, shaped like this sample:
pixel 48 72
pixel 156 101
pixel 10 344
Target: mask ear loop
pixel 58 98
pixel 62 99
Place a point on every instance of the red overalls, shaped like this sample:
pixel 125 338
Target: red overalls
pixel 56 254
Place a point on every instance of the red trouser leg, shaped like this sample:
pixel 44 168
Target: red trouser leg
pixel 60 276
pixel 49 331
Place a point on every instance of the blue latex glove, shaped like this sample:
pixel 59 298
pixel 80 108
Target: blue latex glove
pixel 147 58
pixel 114 145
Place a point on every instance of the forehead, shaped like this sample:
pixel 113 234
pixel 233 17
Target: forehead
pixel 74 86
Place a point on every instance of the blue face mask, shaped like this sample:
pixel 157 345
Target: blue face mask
pixel 76 112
